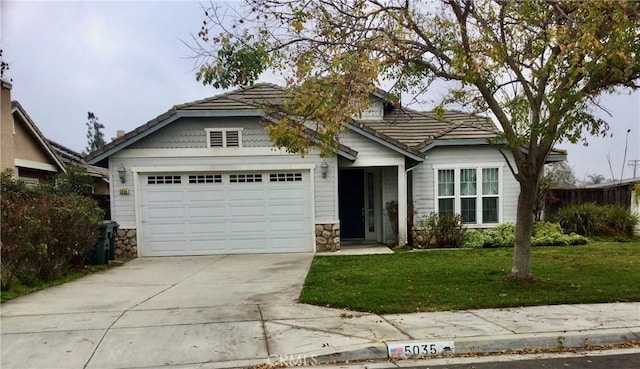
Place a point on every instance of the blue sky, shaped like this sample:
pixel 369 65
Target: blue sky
pixel 127 63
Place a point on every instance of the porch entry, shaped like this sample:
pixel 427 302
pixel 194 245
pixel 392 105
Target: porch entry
pixel 359 194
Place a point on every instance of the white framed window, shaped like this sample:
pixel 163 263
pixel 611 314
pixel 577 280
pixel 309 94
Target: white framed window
pixel 490 195
pixel 224 137
pixel 474 192
pixel 285 177
pixel 164 179
pixel 446 191
pixel 205 178
pixel 28 181
pixel 245 178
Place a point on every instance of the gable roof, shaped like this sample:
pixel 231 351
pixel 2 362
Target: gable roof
pixel 71 157
pixel 240 102
pixel 18 111
pixel 404 130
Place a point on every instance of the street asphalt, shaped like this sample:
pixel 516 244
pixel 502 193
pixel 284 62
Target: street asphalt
pixel 240 310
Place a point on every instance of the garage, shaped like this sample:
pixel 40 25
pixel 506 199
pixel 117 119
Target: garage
pixel 225 213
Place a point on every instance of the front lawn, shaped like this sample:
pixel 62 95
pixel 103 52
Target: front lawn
pixel 474 278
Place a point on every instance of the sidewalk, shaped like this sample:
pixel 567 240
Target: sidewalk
pixel 320 335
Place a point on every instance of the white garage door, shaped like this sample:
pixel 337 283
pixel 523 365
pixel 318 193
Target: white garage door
pixel 225 213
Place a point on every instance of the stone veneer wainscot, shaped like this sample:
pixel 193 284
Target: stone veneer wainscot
pixel 327 237
pixel 126 244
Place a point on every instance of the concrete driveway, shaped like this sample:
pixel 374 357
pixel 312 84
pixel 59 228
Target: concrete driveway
pixel 157 311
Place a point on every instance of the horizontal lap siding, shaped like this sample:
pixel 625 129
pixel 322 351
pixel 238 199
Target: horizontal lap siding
pixel 189 133
pixel 367 148
pixel 423 177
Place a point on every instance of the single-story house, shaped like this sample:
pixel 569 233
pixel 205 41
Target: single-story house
pixel 24 148
pixel 99 175
pixel 204 178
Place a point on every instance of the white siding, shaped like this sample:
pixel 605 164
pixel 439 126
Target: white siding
pixel 375 111
pixel 389 193
pixel 123 206
pixel 370 153
pixel 188 133
pixel 423 177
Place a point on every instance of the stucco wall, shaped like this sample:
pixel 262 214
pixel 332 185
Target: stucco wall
pixel 27 147
pixel 6 129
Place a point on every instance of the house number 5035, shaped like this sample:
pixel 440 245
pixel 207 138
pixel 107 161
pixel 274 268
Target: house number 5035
pixel 419 349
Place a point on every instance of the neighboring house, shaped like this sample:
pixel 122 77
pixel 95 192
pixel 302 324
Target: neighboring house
pixel 99 175
pixel 204 178
pixel 23 147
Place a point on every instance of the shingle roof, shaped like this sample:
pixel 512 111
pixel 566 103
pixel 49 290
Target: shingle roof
pixel 71 157
pixel 406 129
pixel 252 97
pixel 416 128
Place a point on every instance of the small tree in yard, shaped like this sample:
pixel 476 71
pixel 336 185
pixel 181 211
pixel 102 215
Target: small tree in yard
pixel 537 67
pixel 95 137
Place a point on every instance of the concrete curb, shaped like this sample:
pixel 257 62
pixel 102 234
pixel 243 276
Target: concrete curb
pixel 478 345
pixel 552 340
pixel 372 352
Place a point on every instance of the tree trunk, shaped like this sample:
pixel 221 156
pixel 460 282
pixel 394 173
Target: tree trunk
pixel 521 270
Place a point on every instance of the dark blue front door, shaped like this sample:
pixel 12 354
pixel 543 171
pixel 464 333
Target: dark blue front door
pixel 351 202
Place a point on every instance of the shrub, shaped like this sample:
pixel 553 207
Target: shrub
pixel 586 219
pixel 621 220
pixel 503 235
pixel 472 239
pixel 544 228
pixel 551 234
pixel 590 219
pixel 446 229
pixel 544 234
pixel 44 234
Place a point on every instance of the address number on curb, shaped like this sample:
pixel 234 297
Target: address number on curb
pixel 405 350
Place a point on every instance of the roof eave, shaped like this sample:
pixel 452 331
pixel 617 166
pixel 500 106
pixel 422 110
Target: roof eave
pixel 132 137
pixel 428 145
pixel 555 158
pixel 343 150
pixel 373 135
pixel 37 134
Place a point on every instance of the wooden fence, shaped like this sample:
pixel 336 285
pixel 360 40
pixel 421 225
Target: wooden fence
pixel 615 194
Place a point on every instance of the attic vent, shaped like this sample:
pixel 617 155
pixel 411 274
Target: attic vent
pixel 215 139
pixel 224 137
pixel 233 138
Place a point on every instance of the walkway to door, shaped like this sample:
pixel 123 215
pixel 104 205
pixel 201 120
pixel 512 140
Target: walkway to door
pixel 360 248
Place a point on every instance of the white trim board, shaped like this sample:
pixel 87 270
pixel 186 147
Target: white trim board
pixel 202 152
pixel 222 168
pixel 23 163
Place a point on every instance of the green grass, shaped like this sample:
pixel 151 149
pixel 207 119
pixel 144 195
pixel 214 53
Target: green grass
pixel 18 289
pixel 474 278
